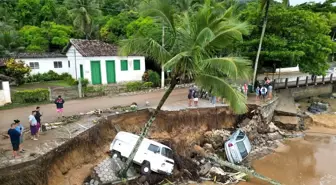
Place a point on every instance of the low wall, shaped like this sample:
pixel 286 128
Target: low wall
pixel 287 69
pixel 310 91
pixel 5 96
pixel 267 110
pixel 182 128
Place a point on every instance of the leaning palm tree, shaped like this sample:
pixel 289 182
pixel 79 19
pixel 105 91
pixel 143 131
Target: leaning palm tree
pixel 196 38
pixel 82 12
pixel 264 5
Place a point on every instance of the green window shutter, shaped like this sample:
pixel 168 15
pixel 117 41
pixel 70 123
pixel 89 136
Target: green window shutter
pixel 136 64
pixel 124 65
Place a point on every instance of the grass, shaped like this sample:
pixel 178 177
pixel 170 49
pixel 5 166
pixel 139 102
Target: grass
pixel 17 105
pixel 45 85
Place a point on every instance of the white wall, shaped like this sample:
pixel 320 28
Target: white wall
pixel 121 76
pixel 5 96
pixel 46 64
pixel 79 59
pixel 288 69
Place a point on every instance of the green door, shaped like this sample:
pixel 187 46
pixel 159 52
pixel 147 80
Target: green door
pixel 110 71
pixel 95 72
pixel 81 70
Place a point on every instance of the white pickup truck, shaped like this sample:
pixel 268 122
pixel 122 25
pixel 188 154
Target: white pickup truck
pixel 151 156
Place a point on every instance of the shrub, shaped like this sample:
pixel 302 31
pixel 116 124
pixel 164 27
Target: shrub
pixel 145 77
pixel 31 96
pixel 69 80
pixel 17 70
pixel 154 77
pixel 147 85
pixel 95 90
pixel 49 76
pixel 133 86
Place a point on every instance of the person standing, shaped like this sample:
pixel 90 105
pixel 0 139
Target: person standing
pixel 19 127
pixel 195 96
pixel 59 105
pixel 14 136
pixel 38 116
pixel 257 91
pixel 190 97
pixel 33 125
pixel 263 91
pixel 245 89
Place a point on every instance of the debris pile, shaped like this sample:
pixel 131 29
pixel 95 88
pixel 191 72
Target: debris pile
pixel 318 107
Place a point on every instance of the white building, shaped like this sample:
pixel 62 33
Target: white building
pixel 99 62
pixel 5 96
pixel 43 62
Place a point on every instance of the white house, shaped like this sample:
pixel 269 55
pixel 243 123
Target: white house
pixel 5 96
pixel 43 62
pixel 99 62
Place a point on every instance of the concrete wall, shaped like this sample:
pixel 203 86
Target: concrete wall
pixel 267 110
pixel 121 76
pixel 46 64
pixel 310 91
pixel 287 69
pixel 5 96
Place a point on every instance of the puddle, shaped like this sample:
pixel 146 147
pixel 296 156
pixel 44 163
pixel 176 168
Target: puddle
pixel 307 161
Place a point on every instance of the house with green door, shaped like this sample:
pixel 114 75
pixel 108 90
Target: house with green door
pixel 99 62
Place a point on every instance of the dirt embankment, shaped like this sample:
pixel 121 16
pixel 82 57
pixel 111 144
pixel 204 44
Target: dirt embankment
pixel 182 128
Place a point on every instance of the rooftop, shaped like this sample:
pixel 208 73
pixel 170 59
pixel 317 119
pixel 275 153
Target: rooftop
pixel 90 48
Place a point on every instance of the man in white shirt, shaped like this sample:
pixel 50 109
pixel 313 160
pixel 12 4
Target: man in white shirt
pixel 33 125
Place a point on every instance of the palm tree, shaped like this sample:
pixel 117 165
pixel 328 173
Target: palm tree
pixel 82 12
pixel 264 5
pixel 197 37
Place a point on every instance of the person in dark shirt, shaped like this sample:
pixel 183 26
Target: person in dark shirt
pixel 59 105
pixel 14 136
pixel 38 116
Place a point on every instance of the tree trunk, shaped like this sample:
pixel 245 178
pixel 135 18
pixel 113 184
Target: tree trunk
pixel 244 170
pixel 333 54
pixel 123 171
pixel 261 41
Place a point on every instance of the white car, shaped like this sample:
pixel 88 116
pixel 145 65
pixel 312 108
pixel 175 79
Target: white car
pixel 237 147
pixel 151 156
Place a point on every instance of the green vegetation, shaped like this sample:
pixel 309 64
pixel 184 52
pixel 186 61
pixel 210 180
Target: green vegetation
pixel 151 76
pixel 31 96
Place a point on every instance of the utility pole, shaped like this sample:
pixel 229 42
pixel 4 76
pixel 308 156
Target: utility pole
pixel 80 79
pixel 162 63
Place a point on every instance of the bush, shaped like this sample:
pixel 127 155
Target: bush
pixel 31 96
pixel 17 70
pixel 95 90
pixel 133 86
pixel 154 77
pixel 69 80
pixel 49 76
pixel 147 85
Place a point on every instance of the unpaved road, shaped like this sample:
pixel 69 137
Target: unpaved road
pixel 73 107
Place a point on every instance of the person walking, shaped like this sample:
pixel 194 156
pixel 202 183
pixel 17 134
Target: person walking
pixel 59 105
pixel 33 125
pixel 257 91
pixel 14 136
pixel 38 116
pixel 19 127
pixel 195 96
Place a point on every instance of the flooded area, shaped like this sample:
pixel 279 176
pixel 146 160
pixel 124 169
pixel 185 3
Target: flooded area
pixel 306 161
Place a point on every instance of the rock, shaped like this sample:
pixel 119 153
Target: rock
pixel 202 161
pixel 199 150
pixel 209 147
pixel 245 122
pixel 216 138
pixel 274 136
pixel 272 128
pixel 205 168
pixel 216 170
pixel 96 183
pixel 286 122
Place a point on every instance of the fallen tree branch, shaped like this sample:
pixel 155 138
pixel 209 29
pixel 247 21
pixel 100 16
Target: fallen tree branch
pixel 243 169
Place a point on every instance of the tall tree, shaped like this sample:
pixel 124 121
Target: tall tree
pixel 197 37
pixel 82 12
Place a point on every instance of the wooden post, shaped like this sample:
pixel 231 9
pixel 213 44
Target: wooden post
pixel 80 88
pixel 297 81
pixel 286 83
pixel 315 77
pixel 323 80
pixel 331 78
pixel 307 78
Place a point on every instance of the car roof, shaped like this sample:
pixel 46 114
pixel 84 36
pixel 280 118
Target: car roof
pixel 134 136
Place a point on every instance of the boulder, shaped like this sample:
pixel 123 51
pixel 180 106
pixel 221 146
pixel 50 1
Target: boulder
pixel 286 122
pixel 272 128
pixel 199 150
pixel 205 169
pixel 216 138
pixel 217 170
pixel 274 136
pixel 208 147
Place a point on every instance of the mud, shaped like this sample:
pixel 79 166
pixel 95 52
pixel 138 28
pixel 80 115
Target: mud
pixel 307 161
pixel 71 162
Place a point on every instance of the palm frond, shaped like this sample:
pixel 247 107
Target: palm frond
pixel 204 37
pixel 222 88
pixel 144 46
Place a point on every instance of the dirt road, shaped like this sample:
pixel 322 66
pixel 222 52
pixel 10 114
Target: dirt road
pixel 73 107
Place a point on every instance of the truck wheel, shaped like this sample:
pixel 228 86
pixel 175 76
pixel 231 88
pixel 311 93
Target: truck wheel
pixel 145 168
pixel 115 154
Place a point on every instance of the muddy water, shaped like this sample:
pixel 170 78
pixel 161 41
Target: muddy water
pixel 307 161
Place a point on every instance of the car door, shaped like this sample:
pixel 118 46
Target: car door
pixel 167 161
pixel 153 156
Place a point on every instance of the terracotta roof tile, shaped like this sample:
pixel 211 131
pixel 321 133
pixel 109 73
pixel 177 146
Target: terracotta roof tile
pixel 90 48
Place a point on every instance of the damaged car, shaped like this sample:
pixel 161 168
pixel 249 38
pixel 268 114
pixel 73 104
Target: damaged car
pixel 237 147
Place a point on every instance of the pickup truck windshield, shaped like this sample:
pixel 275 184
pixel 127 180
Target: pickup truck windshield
pixel 167 153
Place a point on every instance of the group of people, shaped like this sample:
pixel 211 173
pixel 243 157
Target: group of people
pixel 193 96
pixel 264 90
pixel 16 131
